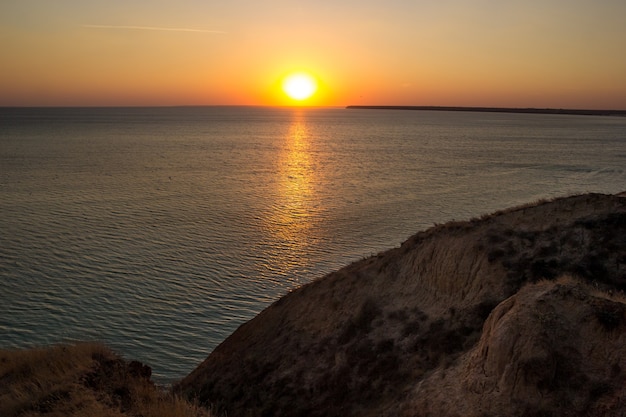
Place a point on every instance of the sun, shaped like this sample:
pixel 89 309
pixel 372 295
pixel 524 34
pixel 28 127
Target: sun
pixel 299 86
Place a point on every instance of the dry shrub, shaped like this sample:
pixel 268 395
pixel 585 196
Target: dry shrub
pixel 37 380
pixel 85 379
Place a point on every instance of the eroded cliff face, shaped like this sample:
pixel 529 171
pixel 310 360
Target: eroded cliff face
pixel 435 327
pixel 552 349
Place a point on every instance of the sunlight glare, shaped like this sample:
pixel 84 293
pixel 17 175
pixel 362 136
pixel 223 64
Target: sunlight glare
pixel 299 86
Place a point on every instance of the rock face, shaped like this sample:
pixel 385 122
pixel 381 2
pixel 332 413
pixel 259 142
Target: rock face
pixel 553 349
pixel 519 313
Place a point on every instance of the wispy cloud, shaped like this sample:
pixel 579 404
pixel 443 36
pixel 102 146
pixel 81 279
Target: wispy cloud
pixel 154 28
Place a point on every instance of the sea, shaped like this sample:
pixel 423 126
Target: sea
pixel 159 231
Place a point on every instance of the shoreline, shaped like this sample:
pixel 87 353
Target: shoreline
pixel 461 318
pixel 574 112
pixel 480 317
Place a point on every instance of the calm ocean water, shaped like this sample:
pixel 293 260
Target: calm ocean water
pixel 161 230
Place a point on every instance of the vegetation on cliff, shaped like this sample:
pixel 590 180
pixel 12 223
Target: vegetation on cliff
pixel 85 379
pixel 517 313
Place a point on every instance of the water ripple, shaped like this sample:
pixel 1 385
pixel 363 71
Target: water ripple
pixel 159 231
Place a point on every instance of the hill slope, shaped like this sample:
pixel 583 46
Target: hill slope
pixel 467 318
pixel 85 379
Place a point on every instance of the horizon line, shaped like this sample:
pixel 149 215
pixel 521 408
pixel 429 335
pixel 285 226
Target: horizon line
pixel 547 110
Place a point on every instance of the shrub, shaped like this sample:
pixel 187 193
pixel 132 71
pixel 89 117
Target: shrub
pixel 82 379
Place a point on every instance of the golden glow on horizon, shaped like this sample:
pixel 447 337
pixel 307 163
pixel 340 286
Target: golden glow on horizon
pixel 299 86
pixel 456 53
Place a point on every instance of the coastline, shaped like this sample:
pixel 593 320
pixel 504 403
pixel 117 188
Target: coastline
pixel 518 312
pixel 573 112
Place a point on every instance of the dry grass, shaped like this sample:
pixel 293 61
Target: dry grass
pixel 85 379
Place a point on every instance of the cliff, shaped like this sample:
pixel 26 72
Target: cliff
pixel 516 313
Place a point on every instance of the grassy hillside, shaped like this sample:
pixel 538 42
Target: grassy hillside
pixel 383 336
pixel 82 380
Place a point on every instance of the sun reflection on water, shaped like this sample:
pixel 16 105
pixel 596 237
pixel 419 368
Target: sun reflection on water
pixel 296 183
pixel 291 223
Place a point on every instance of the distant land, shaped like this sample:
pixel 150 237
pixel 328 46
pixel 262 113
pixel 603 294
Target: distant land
pixel 578 112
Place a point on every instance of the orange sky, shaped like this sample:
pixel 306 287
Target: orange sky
pixel 519 53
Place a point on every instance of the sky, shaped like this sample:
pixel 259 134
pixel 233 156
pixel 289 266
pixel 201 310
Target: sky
pixel 509 53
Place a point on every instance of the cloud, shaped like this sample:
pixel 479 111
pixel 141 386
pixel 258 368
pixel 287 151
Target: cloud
pixel 162 29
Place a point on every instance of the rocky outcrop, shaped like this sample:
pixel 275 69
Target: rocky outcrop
pixel 552 349
pixel 467 318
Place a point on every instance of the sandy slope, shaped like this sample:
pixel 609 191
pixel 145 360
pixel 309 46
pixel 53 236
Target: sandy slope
pixel 467 318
